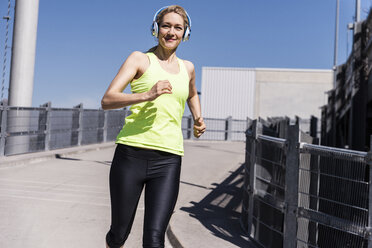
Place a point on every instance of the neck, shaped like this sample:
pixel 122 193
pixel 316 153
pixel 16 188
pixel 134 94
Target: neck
pixel 164 54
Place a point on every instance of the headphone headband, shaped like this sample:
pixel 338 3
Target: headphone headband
pixel 155 27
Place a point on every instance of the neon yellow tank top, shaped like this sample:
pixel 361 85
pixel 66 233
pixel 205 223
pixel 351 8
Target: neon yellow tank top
pixel 157 124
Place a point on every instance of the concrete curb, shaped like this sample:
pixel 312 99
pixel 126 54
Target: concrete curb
pixel 35 157
pixel 173 240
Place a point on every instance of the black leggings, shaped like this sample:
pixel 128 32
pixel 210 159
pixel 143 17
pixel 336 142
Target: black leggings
pixel 131 169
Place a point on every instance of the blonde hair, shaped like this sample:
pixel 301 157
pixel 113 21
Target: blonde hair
pixel 171 9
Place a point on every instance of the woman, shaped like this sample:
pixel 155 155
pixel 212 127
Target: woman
pixel 150 145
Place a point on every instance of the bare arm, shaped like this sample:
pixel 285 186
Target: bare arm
pixel 114 96
pixel 194 103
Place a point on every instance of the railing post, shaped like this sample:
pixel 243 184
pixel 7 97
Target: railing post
pixel 248 123
pixel 291 187
pixel 80 123
pixel 369 228
pixel 314 191
pixel 189 126
pixel 48 126
pixel 256 130
pixel 313 126
pixel 101 125
pixel 126 112
pixel 41 128
pixel 228 128
pixel 105 121
pixel 3 127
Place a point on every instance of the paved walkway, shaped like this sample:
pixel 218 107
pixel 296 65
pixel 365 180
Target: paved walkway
pixel 63 201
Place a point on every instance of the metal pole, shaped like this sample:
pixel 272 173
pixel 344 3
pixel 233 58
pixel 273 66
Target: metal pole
pixel 357 10
pixel 22 73
pixel 43 138
pixel 189 127
pixel 228 128
pixel 291 188
pixel 23 53
pixel 256 130
pixel 48 128
pixel 369 166
pixel 336 42
pixel 105 123
pixel 3 127
pixel 80 135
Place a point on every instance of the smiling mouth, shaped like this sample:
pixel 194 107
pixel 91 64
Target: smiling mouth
pixel 170 37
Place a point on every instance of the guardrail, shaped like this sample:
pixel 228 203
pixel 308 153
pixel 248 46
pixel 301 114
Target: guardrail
pixel 346 119
pixel 300 194
pixel 32 129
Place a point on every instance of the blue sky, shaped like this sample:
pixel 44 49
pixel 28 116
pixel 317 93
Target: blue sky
pixel 81 44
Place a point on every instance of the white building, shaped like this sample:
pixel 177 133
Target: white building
pixel 261 92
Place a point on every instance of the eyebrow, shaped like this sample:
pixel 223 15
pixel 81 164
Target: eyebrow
pixel 170 23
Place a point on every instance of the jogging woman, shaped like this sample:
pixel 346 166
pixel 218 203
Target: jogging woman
pixel 150 144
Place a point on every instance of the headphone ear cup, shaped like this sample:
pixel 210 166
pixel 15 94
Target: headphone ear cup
pixel 155 29
pixel 186 35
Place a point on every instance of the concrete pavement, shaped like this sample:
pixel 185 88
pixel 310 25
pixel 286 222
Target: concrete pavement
pixel 63 201
pixel 208 208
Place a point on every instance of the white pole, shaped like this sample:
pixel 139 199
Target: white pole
pixel 22 74
pixel 23 53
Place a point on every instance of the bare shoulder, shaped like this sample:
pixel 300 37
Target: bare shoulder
pixel 137 57
pixel 190 67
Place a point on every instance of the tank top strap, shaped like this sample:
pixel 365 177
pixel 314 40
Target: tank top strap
pixel 153 60
pixel 183 69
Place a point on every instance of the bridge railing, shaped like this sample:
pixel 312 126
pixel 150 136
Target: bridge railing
pixel 33 129
pixel 300 194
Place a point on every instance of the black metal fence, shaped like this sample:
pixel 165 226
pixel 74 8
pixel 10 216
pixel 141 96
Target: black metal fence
pixel 347 118
pixel 32 129
pixel 301 194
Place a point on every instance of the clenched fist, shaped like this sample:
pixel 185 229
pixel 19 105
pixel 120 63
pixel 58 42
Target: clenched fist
pixel 199 127
pixel 160 88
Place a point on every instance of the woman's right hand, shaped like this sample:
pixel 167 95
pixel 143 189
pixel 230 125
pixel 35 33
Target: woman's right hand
pixel 160 88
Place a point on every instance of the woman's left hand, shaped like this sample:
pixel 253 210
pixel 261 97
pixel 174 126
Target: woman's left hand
pixel 199 127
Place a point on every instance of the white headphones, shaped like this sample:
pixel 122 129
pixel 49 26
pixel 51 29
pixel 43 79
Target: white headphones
pixel 155 27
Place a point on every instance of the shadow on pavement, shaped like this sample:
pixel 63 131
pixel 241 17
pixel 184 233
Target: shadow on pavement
pixel 220 210
pixel 58 156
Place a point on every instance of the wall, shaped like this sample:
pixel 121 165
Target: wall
pixel 261 92
pixel 227 92
pixel 290 92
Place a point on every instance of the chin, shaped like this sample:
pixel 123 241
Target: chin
pixel 169 47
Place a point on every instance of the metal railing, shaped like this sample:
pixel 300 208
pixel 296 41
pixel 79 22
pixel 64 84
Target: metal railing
pixel 32 129
pixel 300 194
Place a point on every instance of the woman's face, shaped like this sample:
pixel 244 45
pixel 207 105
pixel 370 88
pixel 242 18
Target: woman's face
pixel 171 30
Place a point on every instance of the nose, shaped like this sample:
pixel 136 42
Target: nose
pixel 171 31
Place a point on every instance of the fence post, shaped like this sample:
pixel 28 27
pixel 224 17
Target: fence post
pixel 41 128
pixel 105 121
pixel 228 128
pixel 48 126
pixel 80 125
pixel 291 187
pixel 190 128
pixel 256 130
pixel 369 228
pixel 100 125
pixel 248 123
pixel 313 126
pixel 3 127
pixel 314 190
